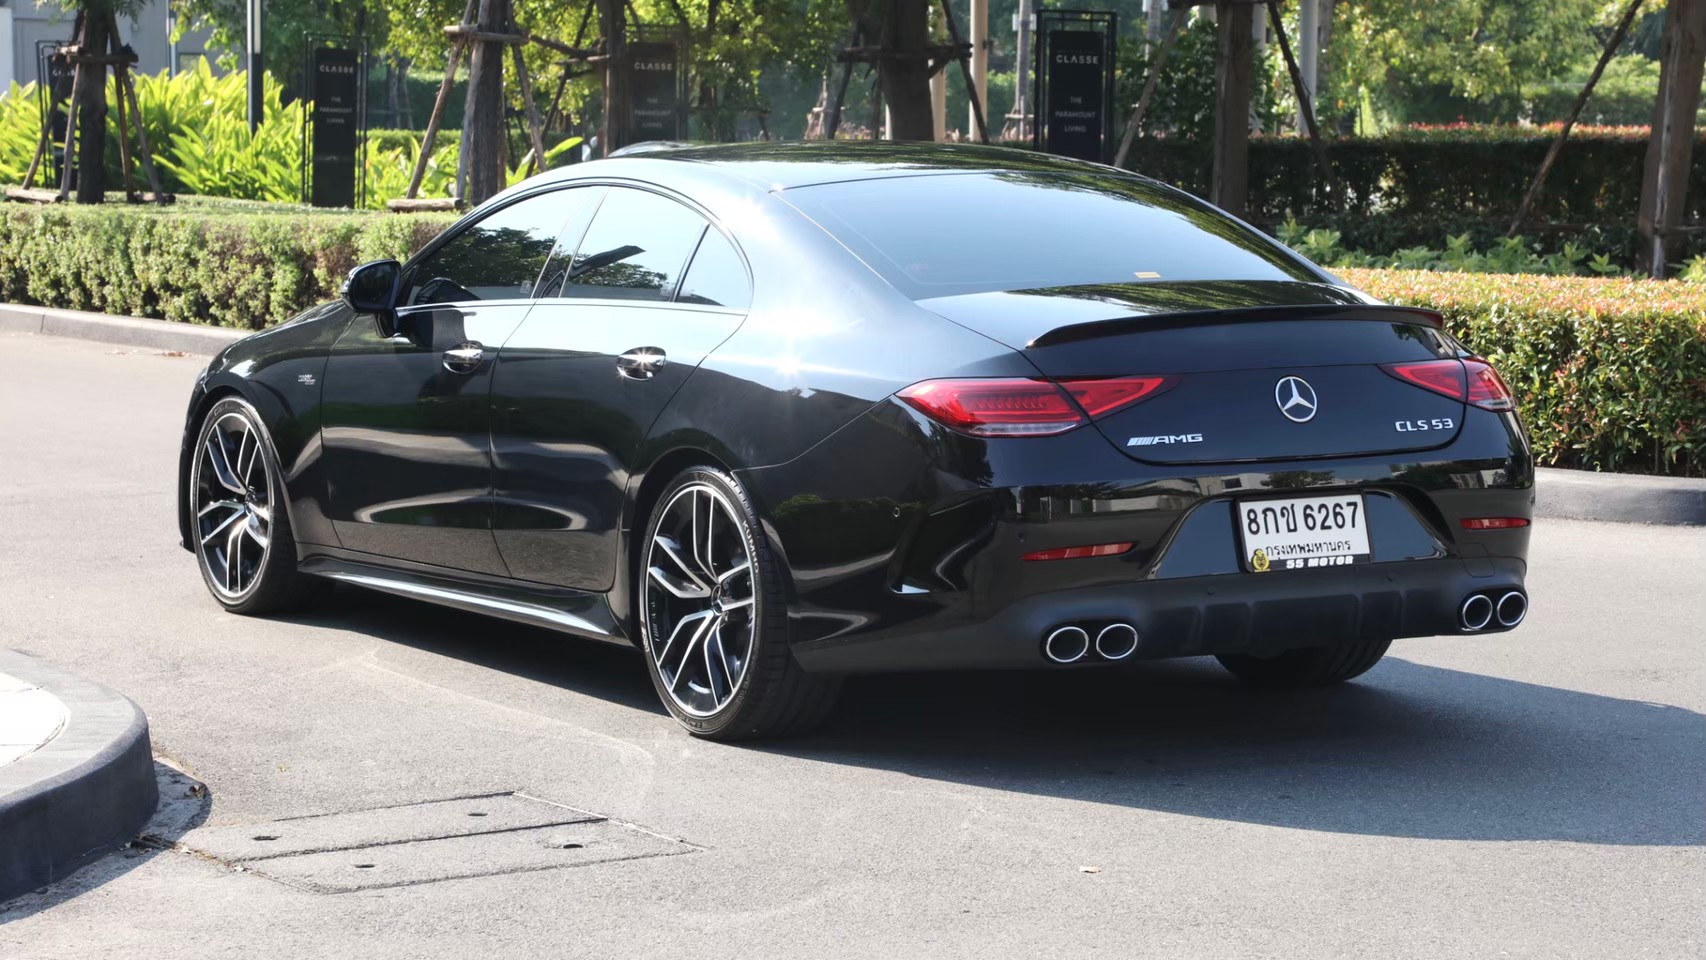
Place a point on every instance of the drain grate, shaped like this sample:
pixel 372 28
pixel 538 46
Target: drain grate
pixel 426 842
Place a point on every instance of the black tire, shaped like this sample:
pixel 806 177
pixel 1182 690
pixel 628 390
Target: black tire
pixel 266 579
pixel 1308 666
pixel 772 696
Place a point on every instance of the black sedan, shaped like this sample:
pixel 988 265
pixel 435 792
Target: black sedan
pixel 779 413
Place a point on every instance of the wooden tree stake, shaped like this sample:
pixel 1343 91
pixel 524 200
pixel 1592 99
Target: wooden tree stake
pixel 1149 84
pixel 1305 102
pixel 1575 112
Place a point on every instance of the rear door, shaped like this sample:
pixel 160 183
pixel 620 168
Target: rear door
pixel 621 324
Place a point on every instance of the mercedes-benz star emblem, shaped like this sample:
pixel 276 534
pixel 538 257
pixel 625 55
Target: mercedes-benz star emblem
pixel 1296 399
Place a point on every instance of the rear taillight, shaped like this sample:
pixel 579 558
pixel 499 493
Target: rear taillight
pixel 1487 389
pixel 1471 380
pixel 1021 407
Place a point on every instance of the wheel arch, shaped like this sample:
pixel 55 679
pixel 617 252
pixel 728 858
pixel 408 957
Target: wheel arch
pixel 203 401
pixel 643 497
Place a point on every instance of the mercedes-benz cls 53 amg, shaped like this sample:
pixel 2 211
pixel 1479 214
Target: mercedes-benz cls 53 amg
pixel 779 413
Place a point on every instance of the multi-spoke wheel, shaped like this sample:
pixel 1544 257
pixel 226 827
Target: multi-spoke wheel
pixel 711 617
pixel 238 524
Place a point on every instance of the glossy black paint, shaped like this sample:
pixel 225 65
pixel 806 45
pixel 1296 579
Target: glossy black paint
pixel 515 483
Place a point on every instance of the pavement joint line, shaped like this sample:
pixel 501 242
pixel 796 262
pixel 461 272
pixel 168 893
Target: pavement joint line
pixel 1560 493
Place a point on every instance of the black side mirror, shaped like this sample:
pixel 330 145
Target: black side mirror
pixel 372 288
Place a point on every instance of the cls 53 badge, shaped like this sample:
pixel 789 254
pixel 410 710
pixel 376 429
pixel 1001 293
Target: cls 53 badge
pixel 1417 426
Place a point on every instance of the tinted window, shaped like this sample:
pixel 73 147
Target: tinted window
pixel 499 257
pixel 635 249
pixel 717 277
pixel 933 236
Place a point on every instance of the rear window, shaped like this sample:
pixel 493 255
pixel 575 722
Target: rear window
pixel 944 235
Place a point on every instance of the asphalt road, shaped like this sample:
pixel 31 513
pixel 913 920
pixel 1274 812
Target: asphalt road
pixel 1541 794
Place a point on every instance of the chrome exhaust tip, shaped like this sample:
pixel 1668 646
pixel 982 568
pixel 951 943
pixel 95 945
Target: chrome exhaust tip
pixel 1476 612
pixel 1512 608
pixel 1116 641
pixel 1067 644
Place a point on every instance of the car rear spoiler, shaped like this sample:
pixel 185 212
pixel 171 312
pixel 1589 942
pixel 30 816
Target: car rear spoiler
pixel 1136 324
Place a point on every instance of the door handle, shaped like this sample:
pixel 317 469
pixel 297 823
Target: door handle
pixel 641 363
pixel 464 357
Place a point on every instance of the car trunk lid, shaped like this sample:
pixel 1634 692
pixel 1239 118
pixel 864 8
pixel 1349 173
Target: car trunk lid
pixel 1256 371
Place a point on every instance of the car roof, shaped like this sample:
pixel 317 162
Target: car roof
pixel 782 165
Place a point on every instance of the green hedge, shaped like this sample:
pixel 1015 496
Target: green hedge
pixel 1609 373
pixel 229 265
pixel 1418 185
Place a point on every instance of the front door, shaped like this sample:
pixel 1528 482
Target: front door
pixel 406 420
pixel 617 331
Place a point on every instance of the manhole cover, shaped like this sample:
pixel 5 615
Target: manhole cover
pixel 425 842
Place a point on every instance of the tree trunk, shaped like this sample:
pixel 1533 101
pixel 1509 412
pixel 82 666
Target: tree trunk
pixel 482 123
pixel 1664 181
pixel 903 27
pixel 1230 181
pixel 613 23
pixel 92 113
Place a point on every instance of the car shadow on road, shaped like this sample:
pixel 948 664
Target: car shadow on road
pixel 1407 750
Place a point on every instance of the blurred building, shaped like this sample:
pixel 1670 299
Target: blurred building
pixel 25 25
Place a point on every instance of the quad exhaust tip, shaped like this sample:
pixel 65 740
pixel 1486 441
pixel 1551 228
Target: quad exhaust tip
pixel 1067 644
pixel 1476 612
pixel 1116 641
pixel 1512 607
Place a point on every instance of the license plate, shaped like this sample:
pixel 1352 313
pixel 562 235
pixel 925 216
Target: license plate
pixel 1302 533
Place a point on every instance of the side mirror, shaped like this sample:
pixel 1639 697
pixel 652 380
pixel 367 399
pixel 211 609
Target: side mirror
pixel 372 288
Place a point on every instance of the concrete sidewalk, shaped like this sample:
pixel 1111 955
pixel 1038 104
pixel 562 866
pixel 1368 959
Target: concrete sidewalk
pixel 29 718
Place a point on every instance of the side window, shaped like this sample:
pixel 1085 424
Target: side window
pixel 717 277
pixel 500 256
pixel 635 249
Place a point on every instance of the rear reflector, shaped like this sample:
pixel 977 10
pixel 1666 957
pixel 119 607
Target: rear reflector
pixel 1472 380
pixel 1020 407
pixel 1079 553
pixel 1494 523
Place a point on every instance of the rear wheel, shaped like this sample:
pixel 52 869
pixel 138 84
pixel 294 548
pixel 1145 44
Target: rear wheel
pixel 1309 666
pixel 238 522
pixel 713 621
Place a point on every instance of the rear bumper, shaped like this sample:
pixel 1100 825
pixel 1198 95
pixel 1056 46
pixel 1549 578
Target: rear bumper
pixel 904 543
pixel 1194 616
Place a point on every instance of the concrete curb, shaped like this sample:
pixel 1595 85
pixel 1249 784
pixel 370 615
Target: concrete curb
pixel 1619 497
pixel 128 331
pixel 81 794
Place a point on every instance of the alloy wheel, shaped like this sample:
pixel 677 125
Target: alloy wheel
pixel 700 601
pixel 233 501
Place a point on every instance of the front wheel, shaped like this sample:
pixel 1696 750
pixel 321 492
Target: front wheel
pixel 713 620
pixel 1308 667
pixel 238 520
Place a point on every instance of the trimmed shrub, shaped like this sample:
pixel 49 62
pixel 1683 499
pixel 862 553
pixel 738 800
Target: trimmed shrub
pixel 1609 373
pixel 228 265
pixel 1417 185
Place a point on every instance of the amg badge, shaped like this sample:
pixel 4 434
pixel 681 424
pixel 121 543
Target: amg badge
pixel 1173 438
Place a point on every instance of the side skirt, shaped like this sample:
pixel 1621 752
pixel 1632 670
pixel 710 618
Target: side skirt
pixel 577 612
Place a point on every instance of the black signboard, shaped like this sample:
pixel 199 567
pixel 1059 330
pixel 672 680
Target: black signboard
pixel 1076 81
pixel 654 91
pixel 335 78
